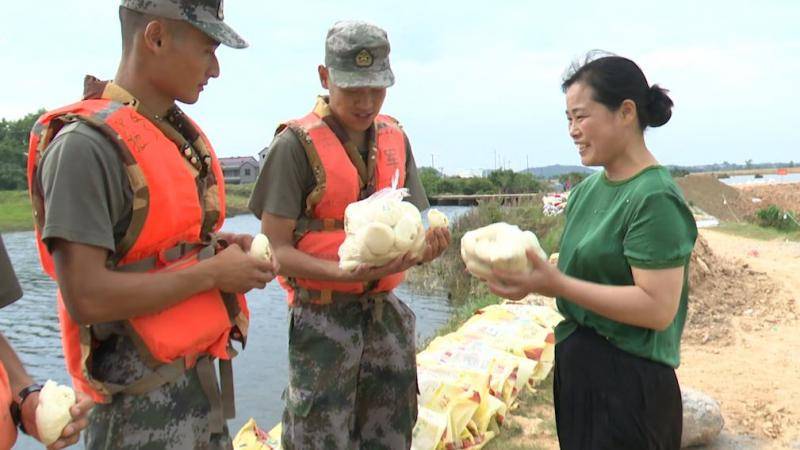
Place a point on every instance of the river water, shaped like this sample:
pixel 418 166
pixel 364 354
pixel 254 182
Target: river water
pixel 260 372
pixel 765 179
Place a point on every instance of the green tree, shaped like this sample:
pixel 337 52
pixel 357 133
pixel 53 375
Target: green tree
pixel 507 181
pixel 678 172
pixel 573 178
pixel 430 178
pixel 14 138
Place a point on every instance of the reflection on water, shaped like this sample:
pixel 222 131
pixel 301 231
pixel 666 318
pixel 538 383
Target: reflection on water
pixel 31 325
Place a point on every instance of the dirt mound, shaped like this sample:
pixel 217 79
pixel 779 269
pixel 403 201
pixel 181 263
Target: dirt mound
pixel 786 196
pixel 724 202
pixel 722 289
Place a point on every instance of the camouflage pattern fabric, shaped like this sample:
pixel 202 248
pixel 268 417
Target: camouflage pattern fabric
pixel 357 55
pixel 352 376
pixel 206 15
pixel 173 416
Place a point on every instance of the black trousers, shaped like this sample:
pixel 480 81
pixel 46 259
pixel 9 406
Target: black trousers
pixel 606 398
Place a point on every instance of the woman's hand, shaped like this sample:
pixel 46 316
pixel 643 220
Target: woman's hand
pixel 545 279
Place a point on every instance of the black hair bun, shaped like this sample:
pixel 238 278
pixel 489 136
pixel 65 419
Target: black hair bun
pixel 659 106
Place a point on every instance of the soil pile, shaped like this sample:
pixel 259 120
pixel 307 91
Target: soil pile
pixel 785 196
pixel 722 290
pixel 724 202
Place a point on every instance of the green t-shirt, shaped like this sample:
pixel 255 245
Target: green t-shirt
pixel 611 226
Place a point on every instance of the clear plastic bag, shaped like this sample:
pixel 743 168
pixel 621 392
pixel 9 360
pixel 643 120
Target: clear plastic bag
pixel 381 228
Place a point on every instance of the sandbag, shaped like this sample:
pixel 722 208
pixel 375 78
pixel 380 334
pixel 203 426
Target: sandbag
pixel 498 246
pixel 429 430
pixel 251 437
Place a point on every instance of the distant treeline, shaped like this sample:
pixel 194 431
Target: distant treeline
pixel 501 181
pixel 725 165
pixel 14 138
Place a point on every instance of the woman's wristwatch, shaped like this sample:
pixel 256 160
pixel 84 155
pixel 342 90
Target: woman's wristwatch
pixel 16 408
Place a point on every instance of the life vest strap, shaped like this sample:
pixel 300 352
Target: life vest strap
pixel 305 225
pixel 369 300
pixel 220 392
pixel 161 375
pixel 168 256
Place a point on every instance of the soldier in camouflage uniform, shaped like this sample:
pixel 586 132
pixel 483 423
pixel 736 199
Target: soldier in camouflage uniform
pixel 168 55
pixel 352 359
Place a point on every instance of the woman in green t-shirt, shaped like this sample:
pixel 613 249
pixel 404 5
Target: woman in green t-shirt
pixel 621 281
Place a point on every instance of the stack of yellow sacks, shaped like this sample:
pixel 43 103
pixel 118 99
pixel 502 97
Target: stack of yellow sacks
pixel 471 378
pixel 468 379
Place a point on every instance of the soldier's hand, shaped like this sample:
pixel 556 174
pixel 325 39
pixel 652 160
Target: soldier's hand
pixel 369 273
pixel 436 242
pixel 236 271
pixel 72 432
pixel 242 240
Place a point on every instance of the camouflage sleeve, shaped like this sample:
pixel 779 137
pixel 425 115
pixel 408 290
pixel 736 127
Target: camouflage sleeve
pixel 285 179
pixel 413 182
pixel 87 195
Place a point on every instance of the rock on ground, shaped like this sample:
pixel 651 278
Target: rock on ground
pixel 702 418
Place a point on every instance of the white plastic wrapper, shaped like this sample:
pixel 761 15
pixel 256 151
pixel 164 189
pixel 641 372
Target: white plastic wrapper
pixel 381 228
pixel 500 246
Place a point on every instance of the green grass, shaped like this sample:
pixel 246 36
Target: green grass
pixel 236 197
pixel 754 231
pixel 15 211
pixel 15 207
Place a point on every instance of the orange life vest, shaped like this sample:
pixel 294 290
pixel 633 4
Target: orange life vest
pixel 338 185
pixel 8 431
pixel 169 230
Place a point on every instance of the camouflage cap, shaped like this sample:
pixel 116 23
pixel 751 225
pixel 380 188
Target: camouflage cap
pixel 357 55
pixel 206 15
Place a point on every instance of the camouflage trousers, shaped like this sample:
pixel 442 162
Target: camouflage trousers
pixel 352 376
pixel 173 416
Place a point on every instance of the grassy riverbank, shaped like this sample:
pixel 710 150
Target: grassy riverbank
pixel 15 211
pixel 236 197
pixel 753 231
pixel 15 207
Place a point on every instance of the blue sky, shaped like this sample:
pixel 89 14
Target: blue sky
pixel 474 79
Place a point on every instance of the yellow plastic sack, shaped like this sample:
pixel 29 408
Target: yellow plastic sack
pixel 458 405
pixel 491 411
pixel 251 437
pixel 509 373
pixel 429 430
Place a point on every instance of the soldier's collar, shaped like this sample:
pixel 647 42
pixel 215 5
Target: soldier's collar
pixel 94 88
pixel 323 110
